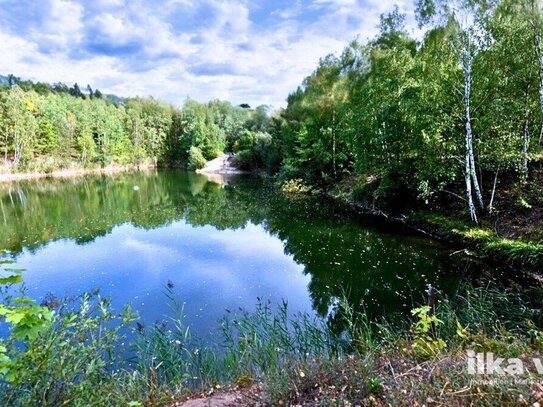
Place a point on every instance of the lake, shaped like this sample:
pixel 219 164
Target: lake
pixel 222 244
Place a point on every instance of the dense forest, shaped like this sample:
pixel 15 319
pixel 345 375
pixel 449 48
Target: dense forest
pixel 448 114
pixel 46 127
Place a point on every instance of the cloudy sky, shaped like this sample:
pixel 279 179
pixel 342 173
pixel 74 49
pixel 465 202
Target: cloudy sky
pixel 245 51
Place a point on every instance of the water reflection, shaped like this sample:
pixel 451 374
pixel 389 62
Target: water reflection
pixel 222 244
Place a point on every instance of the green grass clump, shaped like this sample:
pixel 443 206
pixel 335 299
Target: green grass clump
pixel 85 357
pixel 514 251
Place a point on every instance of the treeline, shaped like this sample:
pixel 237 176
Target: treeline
pixel 44 127
pixel 453 111
pixel 450 114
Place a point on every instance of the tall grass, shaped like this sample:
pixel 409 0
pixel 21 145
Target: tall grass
pixel 85 357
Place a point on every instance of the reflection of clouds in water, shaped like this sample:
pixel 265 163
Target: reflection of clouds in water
pixel 204 239
pixel 210 268
pixel 147 248
pixel 153 256
pixel 252 240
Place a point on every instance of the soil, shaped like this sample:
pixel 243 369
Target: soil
pixel 226 398
pixel 516 219
pixel 220 165
pixel 69 172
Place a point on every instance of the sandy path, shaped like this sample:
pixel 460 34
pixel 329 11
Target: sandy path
pixel 220 165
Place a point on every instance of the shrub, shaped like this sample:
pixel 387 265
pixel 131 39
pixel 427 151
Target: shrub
pixel 196 159
pixel 365 193
pixel 255 151
pixel 290 171
pixel 296 186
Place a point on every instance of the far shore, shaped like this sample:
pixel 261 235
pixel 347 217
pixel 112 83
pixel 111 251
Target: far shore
pixel 221 165
pixel 72 172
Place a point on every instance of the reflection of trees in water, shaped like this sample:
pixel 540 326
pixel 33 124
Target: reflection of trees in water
pixel 342 257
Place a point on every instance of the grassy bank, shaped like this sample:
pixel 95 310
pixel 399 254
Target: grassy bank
pixel 86 354
pixel 519 252
pixel 512 235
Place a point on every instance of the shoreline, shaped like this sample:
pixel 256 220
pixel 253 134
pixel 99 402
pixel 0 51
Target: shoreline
pixel 220 165
pixel 72 172
pixel 526 256
pixel 475 241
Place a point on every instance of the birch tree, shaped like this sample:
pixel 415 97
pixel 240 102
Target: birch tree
pixel 468 39
pixel 535 17
pixel 21 126
pixel 512 85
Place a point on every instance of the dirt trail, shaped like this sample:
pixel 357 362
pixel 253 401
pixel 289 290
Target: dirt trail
pixel 220 165
pixel 228 398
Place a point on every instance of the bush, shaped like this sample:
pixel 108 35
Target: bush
pixel 389 192
pixel 364 194
pixel 296 186
pixel 290 171
pixel 244 160
pixel 255 151
pixel 196 159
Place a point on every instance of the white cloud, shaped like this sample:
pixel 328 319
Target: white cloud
pixel 114 28
pixel 289 12
pixel 62 27
pixel 206 49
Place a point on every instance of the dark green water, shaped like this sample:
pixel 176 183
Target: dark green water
pixel 222 246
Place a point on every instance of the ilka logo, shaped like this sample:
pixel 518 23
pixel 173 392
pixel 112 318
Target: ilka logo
pixel 499 369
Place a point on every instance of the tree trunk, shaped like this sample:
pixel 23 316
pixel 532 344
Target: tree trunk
pixel 491 204
pixel 469 195
pixel 539 54
pixel 526 148
pixel 334 141
pixel 6 148
pixel 470 172
pixel 17 148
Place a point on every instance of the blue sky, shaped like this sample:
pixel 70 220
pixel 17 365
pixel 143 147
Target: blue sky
pixel 244 51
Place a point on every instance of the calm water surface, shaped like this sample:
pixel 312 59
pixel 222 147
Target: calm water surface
pixel 221 245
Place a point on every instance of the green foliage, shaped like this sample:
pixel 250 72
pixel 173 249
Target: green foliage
pixel 393 110
pixel 200 130
pixel 364 194
pixel 255 151
pixel 196 159
pixel 295 186
pixel 424 344
pixel 26 321
pixel 40 130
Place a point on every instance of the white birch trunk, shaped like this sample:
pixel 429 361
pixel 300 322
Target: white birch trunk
pixel 539 53
pixel 467 65
pixel 334 141
pixel 469 195
pixel 6 147
pixel 17 148
pixel 491 204
pixel 526 147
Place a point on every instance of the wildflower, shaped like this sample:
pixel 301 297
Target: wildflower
pixel 302 374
